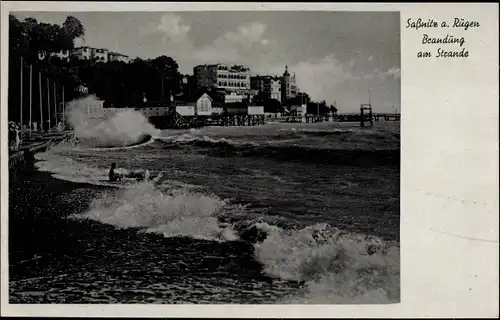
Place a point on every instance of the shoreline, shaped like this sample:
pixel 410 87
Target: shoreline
pixel 43 220
pixel 24 156
pixel 49 251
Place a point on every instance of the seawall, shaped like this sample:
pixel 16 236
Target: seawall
pixel 25 156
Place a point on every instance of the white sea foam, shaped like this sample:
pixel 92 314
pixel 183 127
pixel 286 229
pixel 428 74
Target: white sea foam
pixel 120 129
pixel 336 267
pixel 179 212
pixel 192 138
pixel 166 207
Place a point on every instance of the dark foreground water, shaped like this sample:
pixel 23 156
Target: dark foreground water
pixel 281 213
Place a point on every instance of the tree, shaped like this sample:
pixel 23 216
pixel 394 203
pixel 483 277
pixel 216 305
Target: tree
pixel 315 107
pixel 167 74
pixel 333 109
pixel 272 105
pixel 46 39
pixel 73 28
pixel 260 98
pixel 17 40
pixel 122 84
pixel 300 99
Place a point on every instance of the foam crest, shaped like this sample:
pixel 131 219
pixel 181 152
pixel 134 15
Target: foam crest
pixel 73 170
pixel 122 128
pixel 205 140
pixel 179 212
pixel 335 266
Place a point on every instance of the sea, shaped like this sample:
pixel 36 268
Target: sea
pixel 281 213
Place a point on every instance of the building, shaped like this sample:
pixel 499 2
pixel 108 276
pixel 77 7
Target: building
pixel 63 55
pixel 81 90
pixel 201 103
pixel 82 53
pixel 153 111
pixel 234 78
pixel 92 109
pixel 100 55
pixel 188 83
pixel 289 87
pixel 233 97
pixel 269 85
pixel 115 56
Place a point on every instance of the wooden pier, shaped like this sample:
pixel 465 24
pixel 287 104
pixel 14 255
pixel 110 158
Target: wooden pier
pixel 356 117
pixel 387 116
pixel 173 120
pixel 309 118
pixel 242 120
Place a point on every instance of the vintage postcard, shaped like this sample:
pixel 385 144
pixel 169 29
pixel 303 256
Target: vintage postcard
pixel 249 160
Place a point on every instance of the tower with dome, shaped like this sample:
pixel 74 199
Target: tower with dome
pixel 288 86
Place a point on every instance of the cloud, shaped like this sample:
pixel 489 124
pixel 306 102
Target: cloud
pixel 235 45
pixel 246 42
pixel 330 79
pixel 170 26
pixel 394 72
pixel 326 78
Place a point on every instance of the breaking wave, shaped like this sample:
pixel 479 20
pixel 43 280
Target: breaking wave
pixel 286 150
pixel 143 141
pixel 176 213
pixel 332 266
pixel 122 128
pixel 319 132
pixel 335 266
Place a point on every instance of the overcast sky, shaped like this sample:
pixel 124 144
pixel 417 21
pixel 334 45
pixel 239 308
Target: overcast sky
pixel 335 55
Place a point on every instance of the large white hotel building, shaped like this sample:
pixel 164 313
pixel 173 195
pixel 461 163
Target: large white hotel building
pixel 234 78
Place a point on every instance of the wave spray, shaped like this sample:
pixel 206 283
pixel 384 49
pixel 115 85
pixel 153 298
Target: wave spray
pixel 122 128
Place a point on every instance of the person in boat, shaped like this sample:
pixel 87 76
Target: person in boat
pixel 113 176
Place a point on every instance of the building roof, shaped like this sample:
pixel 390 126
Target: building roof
pixel 286 72
pixel 193 96
pixel 237 67
pixel 265 77
pixel 118 54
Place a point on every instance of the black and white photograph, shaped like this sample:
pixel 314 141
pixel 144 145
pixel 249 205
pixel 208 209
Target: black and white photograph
pixel 204 157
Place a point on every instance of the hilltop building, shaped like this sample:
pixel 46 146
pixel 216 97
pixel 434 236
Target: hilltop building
pixel 87 53
pixel 115 56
